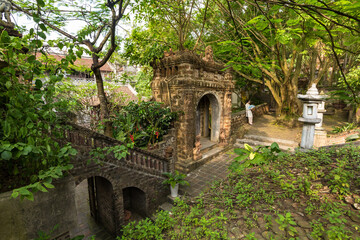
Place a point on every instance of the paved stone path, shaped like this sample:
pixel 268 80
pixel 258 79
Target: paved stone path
pixel 202 177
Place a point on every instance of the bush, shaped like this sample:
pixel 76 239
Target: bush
pixel 143 123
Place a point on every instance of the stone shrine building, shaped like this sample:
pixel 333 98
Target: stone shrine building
pixel 200 90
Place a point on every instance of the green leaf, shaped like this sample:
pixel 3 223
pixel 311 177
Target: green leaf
pixel 60 45
pixel 36 18
pixel 48 185
pixel 8 84
pixel 31 58
pixel 38 83
pixel 41 3
pixel 15 194
pixel 30 197
pixel 42 35
pixel 43 27
pixel 41 188
pixel 24 192
pixel 239 151
pixel 6 155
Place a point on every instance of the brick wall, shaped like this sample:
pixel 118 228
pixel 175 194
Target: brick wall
pixel 105 204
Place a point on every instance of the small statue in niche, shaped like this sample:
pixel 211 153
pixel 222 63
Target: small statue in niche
pixel 228 101
pixel 196 149
pixel 222 137
pixel 127 215
pixel 209 57
pixel 5 7
pixel 169 152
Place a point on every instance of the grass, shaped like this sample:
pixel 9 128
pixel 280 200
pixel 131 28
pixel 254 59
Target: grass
pixel 280 197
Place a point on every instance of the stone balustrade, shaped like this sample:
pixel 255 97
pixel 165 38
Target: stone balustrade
pixel 136 158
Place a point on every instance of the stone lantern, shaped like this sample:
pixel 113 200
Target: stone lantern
pixel 311 101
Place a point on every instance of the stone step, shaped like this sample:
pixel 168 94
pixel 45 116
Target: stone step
pixel 206 149
pixel 207 156
pixel 166 206
pixel 270 140
pixel 212 153
pixel 253 143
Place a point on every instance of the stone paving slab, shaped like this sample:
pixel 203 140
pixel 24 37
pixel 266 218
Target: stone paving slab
pixel 202 177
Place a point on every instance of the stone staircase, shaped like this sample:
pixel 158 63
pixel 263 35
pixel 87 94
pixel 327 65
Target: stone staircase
pixel 257 140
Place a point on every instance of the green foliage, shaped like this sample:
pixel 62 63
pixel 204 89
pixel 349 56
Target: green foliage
pixel 339 179
pixel 190 223
pixel 276 189
pixel 141 48
pixel 146 229
pixel 345 128
pixel 29 155
pixel 287 223
pixel 142 123
pixel 250 157
pixel 344 93
pixel 175 178
pixel 118 151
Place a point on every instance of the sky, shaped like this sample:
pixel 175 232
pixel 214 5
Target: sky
pixel 72 27
pixel 23 20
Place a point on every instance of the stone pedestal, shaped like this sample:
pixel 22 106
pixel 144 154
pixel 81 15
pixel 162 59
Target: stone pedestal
pixel 320 138
pixel 312 101
pixel 308 132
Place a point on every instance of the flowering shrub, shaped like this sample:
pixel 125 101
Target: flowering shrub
pixel 142 123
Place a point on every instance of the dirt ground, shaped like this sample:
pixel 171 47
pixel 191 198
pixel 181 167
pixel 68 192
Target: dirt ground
pixel 266 125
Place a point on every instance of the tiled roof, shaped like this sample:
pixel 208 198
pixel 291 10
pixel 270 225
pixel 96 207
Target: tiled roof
pixel 131 96
pixel 84 61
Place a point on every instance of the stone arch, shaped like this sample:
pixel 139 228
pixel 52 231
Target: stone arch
pixel 82 177
pixel 102 200
pixel 208 107
pixel 134 201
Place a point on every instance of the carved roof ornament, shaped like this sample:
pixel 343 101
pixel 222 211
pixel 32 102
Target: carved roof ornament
pixel 228 75
pixel 209 55
pixel 5 7
pixel 169 53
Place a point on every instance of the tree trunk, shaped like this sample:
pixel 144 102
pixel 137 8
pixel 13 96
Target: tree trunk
pixel 104 111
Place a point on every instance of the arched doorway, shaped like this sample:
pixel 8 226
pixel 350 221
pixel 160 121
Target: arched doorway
pixel 95 207
pixel 134 203
pixel 208 118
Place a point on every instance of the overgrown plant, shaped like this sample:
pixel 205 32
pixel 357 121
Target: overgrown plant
pixel 287 224
pixel 143 123
pixel 249 157
pixel 29 118
pixel 344 128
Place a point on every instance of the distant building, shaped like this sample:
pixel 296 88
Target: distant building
pixel 81 75
pixel 84 75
